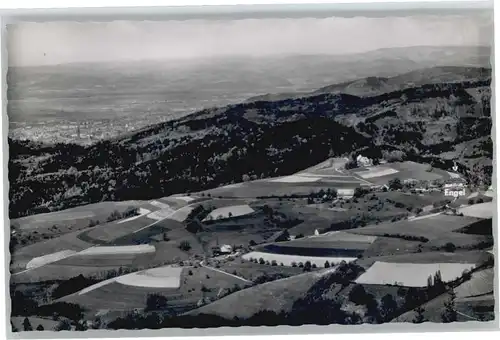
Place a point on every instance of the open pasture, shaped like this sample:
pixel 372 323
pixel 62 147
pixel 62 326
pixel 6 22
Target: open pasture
pixel 391 246
pixel 142 212
pixel 89 262
pixel 378 171
pixel 252 271
pixel 161 214
pixel 467 257
pixel 329 166
pixel 411 274
pixel 235 237
pixel 341 236
pixel 108 232
pixel 76 218
pixel 316 249
pixel 410 199
pixel 268 188
pixel 228 212
pixel 68 242
pixel 163 277
pixel 289 260
pixel 181 214
pixel 481 283
pixel 330 244
pixel 118 250
pixel 108 260
pixel 295 179
pixel 159 204
pixel 61 271
pixel 131 231
pixel 124 292
pixel 49 258
pixel 277 296
pixel 382 174
pixel 429 227
pixel 481 210
pixel 147 235
pixel 460 241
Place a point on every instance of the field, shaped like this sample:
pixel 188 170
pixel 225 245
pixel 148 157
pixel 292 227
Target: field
pixel 46 259
pixel 332 172
pixel 230 211
pixel 73 218
pixel 163 277
pixel 279 295
pixel 118 293
pixel 118 250
pixel 428 227
pixel 382 174
pixel 170 258
pixel 482 210
pixel 481 283
pixel 253 271
pixel 269 188
pixel 411 274
pixel 69 242
pixel 376 172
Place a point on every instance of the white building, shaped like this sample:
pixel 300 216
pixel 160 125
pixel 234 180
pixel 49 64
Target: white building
pixel 363 161
pixel 226 249
pixel 345 193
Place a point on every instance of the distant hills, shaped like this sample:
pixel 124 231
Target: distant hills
pixel 445 112
pixel 373 86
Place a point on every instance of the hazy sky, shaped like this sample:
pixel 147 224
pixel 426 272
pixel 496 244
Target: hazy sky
pixel 60 42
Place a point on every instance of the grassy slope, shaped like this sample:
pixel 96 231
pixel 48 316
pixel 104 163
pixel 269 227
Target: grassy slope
pixel 276 296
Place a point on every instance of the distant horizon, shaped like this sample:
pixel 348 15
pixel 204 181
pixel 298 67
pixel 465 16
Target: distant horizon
pixel 243 57
pixel 53 43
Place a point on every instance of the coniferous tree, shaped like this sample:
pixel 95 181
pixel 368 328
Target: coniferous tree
pixel 449 314
pixel 27 325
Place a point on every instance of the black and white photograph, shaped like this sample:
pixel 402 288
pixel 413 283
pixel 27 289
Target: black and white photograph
pixel 256 170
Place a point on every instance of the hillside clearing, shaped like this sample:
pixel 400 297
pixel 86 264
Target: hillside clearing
pixel 49 258
pixel 342 237
pixel 411 274
pixel 295 179
pixel 376 172
pixel 230 211
pixel 142 212
pixel 163 277
pixel 279 295
pixel 184 198
pixel 159 204
pixel 481 210
pixel 181 214
pixel 196 284
pixel 112 250
pixel 481 283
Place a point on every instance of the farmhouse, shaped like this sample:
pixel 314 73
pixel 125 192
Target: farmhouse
pixel 345 193
pixel 384 187
pixel 226 249
pixel 363 161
